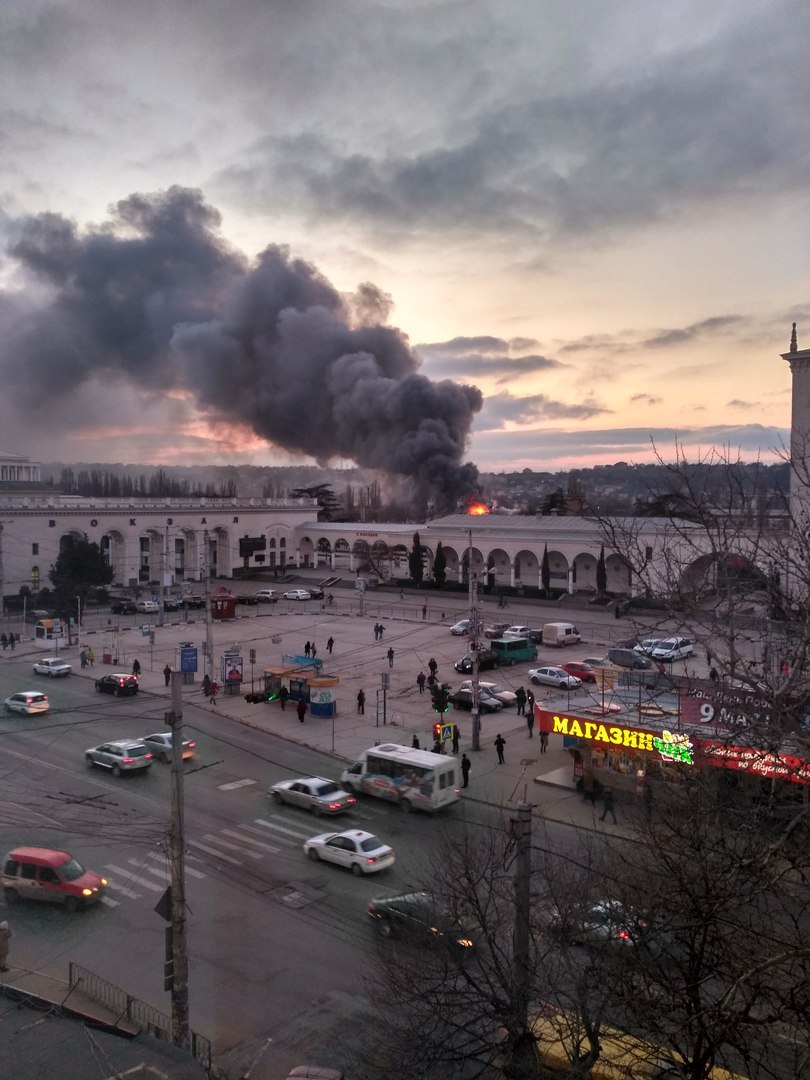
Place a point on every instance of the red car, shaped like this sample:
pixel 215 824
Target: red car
pixel 581 670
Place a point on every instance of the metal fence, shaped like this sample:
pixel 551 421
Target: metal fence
pixel 126 1006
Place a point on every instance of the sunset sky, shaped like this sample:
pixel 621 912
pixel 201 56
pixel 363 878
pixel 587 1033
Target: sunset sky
pixel 595 211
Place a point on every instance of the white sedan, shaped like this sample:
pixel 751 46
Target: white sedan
pixel 554 676
pixel 28 702
pixel 54 666
pixel 362 852
pixel 297 594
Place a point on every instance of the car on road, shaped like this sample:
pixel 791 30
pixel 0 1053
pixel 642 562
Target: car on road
pixel 172 603
pixel 120 756
pixel 28 702
pixel 461 627
pixel 297 594
pixel 32 873
pixel 674 648
pixel 507 698
pixel 53 666
pixel 160 745
pixel 147 607
pixel 604 922
pixel 315 591
pixel 462 699
pixel 597 661
pixel 417 917
pixel 554 676
pixel 247 598
pixel 193 601
pixel 581 669
pixel 315 794
pixel 266 596
pixel 487 658
pixel 123 607
pixel 361 852
pixel 495 629
pixel 517 631
pixel 118 683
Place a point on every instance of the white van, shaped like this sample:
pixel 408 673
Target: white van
pixel 415 779
pixel 558 634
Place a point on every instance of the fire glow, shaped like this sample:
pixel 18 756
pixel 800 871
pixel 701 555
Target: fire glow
pixel 477 508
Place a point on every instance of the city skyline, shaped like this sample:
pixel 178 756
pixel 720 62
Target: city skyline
pixel 591 213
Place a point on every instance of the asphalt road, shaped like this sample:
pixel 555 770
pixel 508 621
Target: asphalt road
pixel 279 947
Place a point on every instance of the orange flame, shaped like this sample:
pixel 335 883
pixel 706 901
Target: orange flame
pixel 477 508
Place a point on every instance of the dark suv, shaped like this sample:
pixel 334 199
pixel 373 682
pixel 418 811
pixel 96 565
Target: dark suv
pixel 123 607
pixel 416 917
pixel 487 658
pixel 118 684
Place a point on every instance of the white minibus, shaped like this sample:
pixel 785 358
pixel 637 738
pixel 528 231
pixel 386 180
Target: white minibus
pixel 416 779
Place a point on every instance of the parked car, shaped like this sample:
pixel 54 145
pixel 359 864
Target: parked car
pixel 247 598
pixel 123 607
pixel 417 917
pixel 171 603
pixel 462 699
pixel 582 669
pixel 507 698
pixel 266 596
pixel 461 627
pixel 118 683
pixel 53 666
pixel 647 646
pixel 605 922
pixel 517 631
pixel 32 873
pixel 314 793
pixel 597 661
pixel 496 629
pixel 361 852
pixel 554 676
pixel 147 607
pixel 193 601
pixel 120 756
pixel 297 594
pixel 674 648
pixel 28 702
pixel 160 745
pixel 487 658
pixel 628 658
pixel 315 591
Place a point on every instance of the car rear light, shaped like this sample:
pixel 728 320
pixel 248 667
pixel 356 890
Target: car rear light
pixel 623 935
pixel 457 791
pixel 190 745
pixel 147 755
pixel 372 909
pixel 127 760
pixel 351 800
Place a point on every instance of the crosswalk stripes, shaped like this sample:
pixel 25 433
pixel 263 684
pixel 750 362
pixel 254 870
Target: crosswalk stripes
pixel 139 879
pixel 281 828
pixel 161 858
pixel 250 840
pixel 214 838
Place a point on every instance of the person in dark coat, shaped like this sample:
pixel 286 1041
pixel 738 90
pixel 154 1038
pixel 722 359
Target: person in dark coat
pixel 424 611
pixel 307 648
pixel 530 702
pixel 520 694
pixel 5 938
pixel 433 667
pixel 361 702
pixel 437 747
pixel 530 724
pixel 4 641
pixel 206 685
pixel 543 741
pixel 500 743
pixel 167 674
pixel 456 737
pixel 301 709
pixel 330 644
pixel 136 668
pixel 313 652
pixel 609 803
pixel 415 742
pixel 465 770
pixel 420 682
pixel 283 694
pixel 390 655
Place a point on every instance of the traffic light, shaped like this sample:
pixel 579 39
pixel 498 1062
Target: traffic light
pixel 439 694
pixel 437 731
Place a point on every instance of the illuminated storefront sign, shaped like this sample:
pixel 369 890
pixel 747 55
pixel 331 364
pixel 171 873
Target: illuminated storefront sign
pixel 756 762
pixel 609 734
pixel 674 747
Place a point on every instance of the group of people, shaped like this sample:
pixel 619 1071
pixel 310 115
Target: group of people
pixel 87 657
pixel 310 650
pixel 9 641
pixel 379 630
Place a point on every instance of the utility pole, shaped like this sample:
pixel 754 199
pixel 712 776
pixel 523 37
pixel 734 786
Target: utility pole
pixel 179 953
pixel 209 644
pixel 475 636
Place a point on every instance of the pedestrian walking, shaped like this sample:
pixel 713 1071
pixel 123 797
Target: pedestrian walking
pixel 301 709
pixel 714 674
pixel 420 682
pixel 4 641
pixel 206 685
pixel 415 744
pixel 530 724
pixel 530 702
pixel 12 640
pixel 213 690
pixel 330 644
pixel 283 694
pixel 424 611
pixel 437 746
pixel 307 648
pixel 499 744
pixel 432 681
pixel 5 938
pixel 520 695
pixel 433 667
pixel 382 629
pixel 376 631
pixel 91 656
pixel 313 651
pixel 401 594
pixel 543 741
pixel 136 667
pixel 609 803
pixel 82 657
pixel 456 737
pixel 167 675
pixel 465 770
pixel 390 655
pixel 361 702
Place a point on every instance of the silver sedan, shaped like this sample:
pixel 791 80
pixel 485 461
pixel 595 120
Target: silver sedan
pixel 554 676
pixel 315 794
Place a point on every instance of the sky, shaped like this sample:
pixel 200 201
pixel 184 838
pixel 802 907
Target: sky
pixel 416 233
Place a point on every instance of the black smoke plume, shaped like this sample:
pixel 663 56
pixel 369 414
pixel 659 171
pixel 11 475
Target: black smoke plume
pixel 158 297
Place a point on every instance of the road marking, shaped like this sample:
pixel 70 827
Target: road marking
pixel 159 871
pixel 263 832
pixel 137 878
pixel 250 840
pixel 108 900
pixel 281 828
pixel 213 851
pixel 162 859
pixel 122 889
pixel 215 839
pixel 234 784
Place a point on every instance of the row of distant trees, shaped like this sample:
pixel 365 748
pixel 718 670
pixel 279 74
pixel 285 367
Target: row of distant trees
pixel 100 483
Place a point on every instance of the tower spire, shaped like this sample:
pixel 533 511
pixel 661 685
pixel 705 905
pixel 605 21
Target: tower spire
pixel 794 347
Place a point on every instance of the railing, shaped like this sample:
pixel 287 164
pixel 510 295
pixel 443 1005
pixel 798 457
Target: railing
pixel 126 1006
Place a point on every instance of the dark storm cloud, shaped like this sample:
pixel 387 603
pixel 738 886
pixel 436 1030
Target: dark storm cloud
pixel 157 300
pixel 502 408
pixel 485 357
pixel 693 123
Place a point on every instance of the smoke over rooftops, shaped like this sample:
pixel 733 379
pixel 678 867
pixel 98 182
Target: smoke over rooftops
pixel 158 298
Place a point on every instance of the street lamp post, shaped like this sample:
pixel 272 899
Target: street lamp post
pixel 475 634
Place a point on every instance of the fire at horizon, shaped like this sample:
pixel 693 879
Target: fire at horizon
pixel 477 508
